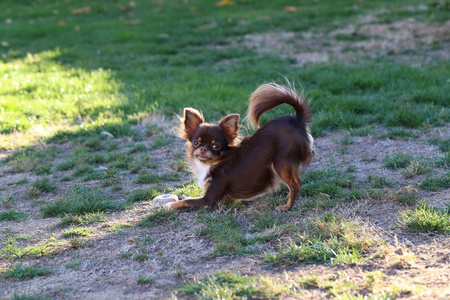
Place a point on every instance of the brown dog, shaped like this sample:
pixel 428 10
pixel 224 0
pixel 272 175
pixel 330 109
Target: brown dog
pixel 229 169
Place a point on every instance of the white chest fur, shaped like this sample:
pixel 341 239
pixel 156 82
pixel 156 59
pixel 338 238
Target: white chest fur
pixel 201 172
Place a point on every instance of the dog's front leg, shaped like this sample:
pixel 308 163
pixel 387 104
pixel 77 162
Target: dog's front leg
pixel 211 198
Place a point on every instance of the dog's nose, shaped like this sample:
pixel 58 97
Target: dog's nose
pixel 203 150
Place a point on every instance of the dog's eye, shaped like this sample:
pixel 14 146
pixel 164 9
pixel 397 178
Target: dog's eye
pixel 195 143
pixel 216 147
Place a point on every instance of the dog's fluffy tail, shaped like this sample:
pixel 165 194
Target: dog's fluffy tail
pixel 269 95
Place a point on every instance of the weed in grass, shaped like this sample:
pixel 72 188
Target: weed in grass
pixel 96 159
pixel 426 218
pixel 399 160
pixel 379 182
pixel 228 285
pixel 75 242
pixel 21 272
pixel 78 231
pixel 436 183
pixel 158 216
pixel 144 280
pixel 31 159
pixel 80 200
pixel 88 218
pixel 407 196
pixel 12 215
pixel 119 160
pixel 41 186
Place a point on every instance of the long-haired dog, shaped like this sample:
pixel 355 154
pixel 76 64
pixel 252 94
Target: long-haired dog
pixel 231 169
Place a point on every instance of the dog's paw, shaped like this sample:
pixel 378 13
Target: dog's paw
pixel 169 205
pixel 282 208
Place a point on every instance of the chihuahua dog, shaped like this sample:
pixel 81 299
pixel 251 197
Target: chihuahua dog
pixel 231 169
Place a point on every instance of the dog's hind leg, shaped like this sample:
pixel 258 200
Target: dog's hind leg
pixel 289 175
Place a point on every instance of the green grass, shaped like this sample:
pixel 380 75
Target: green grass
pixel 229 285
pixel 21 272
pixel 80 200
pixel 145 177
pixel 78 231
pixel 159 215
pixel 399 160
pixel 426 218
pixel 329 240
pixel 41 186
pixel 82 71
pixel 10 250
pixel 12 215
pixel 436 183
pixel 81 219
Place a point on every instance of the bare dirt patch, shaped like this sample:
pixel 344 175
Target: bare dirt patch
pixel 415 42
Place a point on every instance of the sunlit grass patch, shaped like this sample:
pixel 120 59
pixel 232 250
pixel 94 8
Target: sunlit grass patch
pixel 76 231
pixel 22 272
pixel 229 285
pixel 330 240
pixel 80 200
pixel 426 218
pixel 11 250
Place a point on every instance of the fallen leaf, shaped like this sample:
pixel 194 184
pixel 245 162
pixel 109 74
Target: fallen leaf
pixel 62 22
pixel 83 10
pixel 8 21
pixel 224 3
pixel 290 8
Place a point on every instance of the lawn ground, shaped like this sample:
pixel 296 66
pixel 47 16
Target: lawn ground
pixel 88 93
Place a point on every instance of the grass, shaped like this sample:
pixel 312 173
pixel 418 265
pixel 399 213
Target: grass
pixel 158 216
pixel 21 272
pixel 436 183
pixel 79 231
pixel 80 200
pixel 41 186
pixel 81 219
pixel 399 160
pixel 12 251
pixel 229 285
pixel 12 215
pixel 329 240
pixel 426 218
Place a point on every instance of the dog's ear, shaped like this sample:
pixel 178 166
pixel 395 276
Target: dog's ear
pixel 192 118
pixel 230 126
